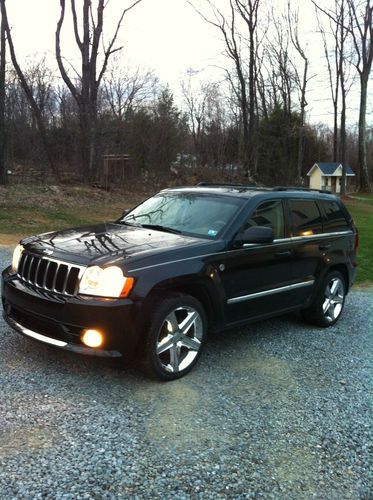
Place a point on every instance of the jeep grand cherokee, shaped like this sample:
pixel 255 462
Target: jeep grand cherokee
pixel 186 261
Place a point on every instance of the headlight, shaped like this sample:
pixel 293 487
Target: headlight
pixel 17 254
pixel 108 282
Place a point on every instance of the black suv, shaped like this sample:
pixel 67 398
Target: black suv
pixel 183 262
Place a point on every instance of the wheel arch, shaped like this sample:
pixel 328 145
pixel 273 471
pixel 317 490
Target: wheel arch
pixel 200 290
pixel 342 268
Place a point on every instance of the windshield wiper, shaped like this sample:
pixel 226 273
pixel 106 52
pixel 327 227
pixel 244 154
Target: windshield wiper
pixel 133 224
pixel 161 228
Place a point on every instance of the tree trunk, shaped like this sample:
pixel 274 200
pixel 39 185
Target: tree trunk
pixel 84 140
pixel 252 101
pixel 93 138
pixel 341 72
pixel 363 164
pixel 303 104
pixel 3 169
pixel 335 132
pixel 85 95
pixel 245 124
pixel 342 153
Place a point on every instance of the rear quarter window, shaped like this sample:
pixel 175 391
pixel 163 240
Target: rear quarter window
pixel 334 217
pixel 306 218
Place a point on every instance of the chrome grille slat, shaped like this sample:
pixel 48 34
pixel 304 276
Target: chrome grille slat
pixel 66 278
pixel 29 269
pixel 37 271
pixel 55 278
pixel 45 275
pixel 23 260
pixel 60 277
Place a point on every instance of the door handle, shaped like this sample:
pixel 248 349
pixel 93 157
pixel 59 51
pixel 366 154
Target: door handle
pixel 286 253
pixel 325 247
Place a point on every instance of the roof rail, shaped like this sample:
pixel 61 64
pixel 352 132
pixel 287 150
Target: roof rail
pixel 261 188
pixel 253 187
pixel 300 188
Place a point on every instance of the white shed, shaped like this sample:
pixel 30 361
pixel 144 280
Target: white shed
pixel 329 176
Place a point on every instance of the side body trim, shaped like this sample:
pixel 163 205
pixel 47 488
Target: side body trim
pixel 242 298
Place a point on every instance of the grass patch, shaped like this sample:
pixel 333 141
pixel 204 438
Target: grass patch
pixel 26 210
pixel 368 197
pixel 361 209
pixel 36 220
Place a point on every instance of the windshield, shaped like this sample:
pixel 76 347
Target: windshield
pixel 192 214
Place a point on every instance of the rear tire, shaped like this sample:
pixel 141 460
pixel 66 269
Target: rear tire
pixel 175 334
pixel 328 304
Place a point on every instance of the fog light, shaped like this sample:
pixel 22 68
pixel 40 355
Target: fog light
pixel 92 338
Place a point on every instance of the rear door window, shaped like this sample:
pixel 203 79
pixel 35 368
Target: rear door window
pixel 334 218
pixel 306 217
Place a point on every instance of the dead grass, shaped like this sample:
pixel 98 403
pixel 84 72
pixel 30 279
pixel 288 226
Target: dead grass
pixel 26 210
pixel 7 240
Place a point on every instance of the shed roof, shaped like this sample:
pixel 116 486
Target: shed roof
pixel 330 168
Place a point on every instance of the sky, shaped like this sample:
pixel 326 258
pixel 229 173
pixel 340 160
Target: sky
pixel 169 37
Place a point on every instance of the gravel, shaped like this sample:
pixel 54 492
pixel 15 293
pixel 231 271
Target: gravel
pixel 278 409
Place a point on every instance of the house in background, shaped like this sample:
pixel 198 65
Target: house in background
pixel 329 176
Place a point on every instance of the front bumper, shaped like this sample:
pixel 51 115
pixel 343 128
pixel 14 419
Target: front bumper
pixel 60 343
pixel 60 321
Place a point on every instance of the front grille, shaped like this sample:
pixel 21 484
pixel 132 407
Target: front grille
pixel 48 274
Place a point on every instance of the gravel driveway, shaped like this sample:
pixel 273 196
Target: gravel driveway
pixel 274 410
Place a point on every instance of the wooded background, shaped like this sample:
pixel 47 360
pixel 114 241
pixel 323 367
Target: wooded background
pixel 250 125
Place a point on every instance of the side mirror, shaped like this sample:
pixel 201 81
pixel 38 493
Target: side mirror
pixel 255 234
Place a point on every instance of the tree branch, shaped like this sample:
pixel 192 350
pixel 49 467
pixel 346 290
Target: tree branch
pixel 61 66
pixel 110 50
pixel 75 23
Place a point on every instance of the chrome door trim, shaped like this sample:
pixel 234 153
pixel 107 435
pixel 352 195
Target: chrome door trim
pixel 242 298
pixel 247 246
pixel 312 236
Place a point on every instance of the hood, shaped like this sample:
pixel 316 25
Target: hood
pixel 106 242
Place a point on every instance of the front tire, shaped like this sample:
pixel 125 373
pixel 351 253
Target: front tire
pixel 328 304
pixel 174 336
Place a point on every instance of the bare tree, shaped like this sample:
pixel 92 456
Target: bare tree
pixel 248 10
pixel 85 91
pixel 198 102
pixel 244 83
pixel 360 29
pixel 280 70
pixel 339 28
pixel 302 80
pixel 332 60
pixel 341 58
pixel 28 91
pixel 123 88
pixel 3 169
pixel 361 15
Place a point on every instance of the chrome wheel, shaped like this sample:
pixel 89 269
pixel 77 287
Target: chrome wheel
pixel 179 339
pixel 333 299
